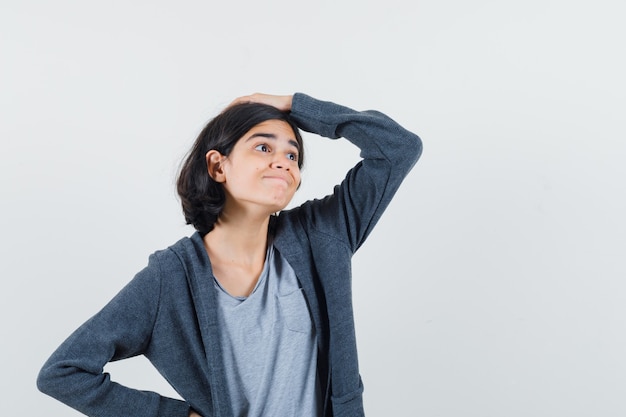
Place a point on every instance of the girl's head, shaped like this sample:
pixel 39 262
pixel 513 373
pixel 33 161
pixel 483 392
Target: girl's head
pixel 203 197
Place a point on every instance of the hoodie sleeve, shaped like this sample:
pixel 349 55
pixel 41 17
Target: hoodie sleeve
pixel 388 153
pixel 122 329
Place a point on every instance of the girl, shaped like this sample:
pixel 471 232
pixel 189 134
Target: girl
pixel 252 315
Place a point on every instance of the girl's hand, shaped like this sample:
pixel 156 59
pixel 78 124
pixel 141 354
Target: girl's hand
pixel 282 103
pixel 194 414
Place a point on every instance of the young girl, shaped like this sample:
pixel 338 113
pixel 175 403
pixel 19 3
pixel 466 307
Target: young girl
pixel 252 315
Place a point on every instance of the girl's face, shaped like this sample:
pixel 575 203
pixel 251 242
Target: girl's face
pixel 262 169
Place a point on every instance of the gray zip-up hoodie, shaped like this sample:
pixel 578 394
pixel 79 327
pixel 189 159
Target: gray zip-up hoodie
pixel 168 311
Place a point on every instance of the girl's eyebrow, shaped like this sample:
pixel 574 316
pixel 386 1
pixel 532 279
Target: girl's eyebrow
pixel 273 137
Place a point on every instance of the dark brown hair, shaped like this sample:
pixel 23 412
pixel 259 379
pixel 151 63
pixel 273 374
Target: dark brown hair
pixel 202 198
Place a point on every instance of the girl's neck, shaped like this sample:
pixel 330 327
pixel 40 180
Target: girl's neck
pixel 241 239
pixel 237 250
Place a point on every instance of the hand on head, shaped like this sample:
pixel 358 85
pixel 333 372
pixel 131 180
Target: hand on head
pixel 282 103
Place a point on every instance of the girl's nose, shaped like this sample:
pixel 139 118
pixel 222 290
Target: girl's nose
pixel 279 163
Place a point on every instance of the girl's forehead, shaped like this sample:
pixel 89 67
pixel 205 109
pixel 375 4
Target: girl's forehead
pixel 272 129
pixel 273 124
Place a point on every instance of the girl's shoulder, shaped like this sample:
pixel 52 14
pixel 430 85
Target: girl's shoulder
pixel 187 251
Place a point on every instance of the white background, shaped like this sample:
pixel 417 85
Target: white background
pixel 494 285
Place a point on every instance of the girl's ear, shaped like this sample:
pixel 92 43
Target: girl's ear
pixel 214 161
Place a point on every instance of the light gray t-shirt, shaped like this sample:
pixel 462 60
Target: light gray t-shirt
pixel 269 346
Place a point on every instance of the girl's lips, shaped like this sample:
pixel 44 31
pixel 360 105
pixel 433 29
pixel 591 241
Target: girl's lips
pixel 277 178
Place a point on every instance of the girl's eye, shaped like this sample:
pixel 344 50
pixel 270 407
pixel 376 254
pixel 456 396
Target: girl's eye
pixel 263 148
pixel 293 156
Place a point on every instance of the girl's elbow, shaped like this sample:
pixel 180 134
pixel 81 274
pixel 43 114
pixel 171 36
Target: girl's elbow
pixel 418 142
pixel 50 381
pixel 45 380
pixel 414 149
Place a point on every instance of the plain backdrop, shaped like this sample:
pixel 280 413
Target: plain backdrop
pixel 494 285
